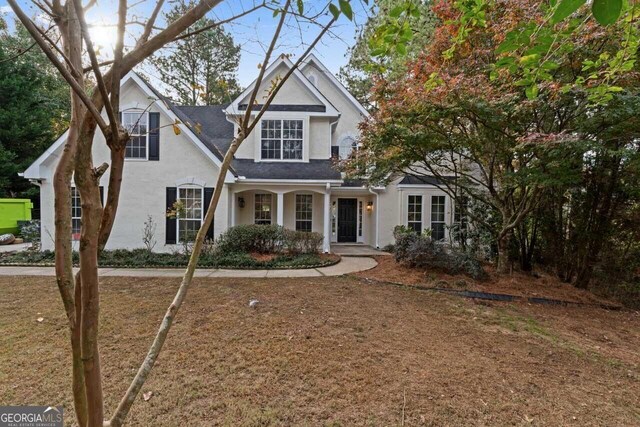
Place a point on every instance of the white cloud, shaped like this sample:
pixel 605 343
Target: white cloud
pixel 6 9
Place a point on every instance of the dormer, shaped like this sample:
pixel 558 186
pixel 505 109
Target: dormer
pixel 297 125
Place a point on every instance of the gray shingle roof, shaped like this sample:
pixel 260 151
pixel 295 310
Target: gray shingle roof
pixel 315 169
pixel 419 180
pixel 216 133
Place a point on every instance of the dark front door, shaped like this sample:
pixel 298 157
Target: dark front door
pixel 347 220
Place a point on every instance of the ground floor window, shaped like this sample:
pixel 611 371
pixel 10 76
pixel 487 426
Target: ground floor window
pixel 262 213
pixel 76 214
pixel 190 213
pixel 460 218
pixel 437 217
pixel 304 212
pixel 414 213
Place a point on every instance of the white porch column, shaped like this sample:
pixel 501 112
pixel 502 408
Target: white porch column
pixel 232 207
pixel 326 244
pixel 280 209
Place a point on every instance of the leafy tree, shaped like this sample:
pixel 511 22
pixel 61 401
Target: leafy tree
pixel 409 24
pixel 455 116
pixel 34 108
pixel 200 68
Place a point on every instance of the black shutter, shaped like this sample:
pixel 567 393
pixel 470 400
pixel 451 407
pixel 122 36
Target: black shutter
pixel 335 151
pixel 154 136
pixel 208 195
pixel 170 229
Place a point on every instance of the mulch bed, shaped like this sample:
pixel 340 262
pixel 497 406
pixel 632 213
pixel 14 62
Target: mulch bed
pixel 517 284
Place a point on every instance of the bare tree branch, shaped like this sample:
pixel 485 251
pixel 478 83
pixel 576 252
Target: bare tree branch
pixel 219 23
pixel 113 122
pixel 149 26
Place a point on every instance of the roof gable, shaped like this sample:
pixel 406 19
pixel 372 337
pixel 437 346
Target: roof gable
pixel 307 97
pixel 208 148
pixel 312 59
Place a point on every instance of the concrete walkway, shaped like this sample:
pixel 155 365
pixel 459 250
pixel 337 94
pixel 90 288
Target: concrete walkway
pixel 345 266
pixel 355 250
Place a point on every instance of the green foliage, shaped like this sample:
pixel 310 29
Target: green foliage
pixel 420 251
pixel 200 69
pixel 606 12
pixel 267 239
pixel 142 258
pixel 34 108
pixel 395 32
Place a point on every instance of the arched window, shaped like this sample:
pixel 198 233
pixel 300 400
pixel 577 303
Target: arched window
pixel 312 78
pixel 347 145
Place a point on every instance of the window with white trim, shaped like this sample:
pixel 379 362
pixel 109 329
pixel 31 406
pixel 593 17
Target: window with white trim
pixel 190 213
pixel 347 146
pixel 76 214
pixel 414 213
pixel 281 140
pixel 137 124
pixel 437 217
pixel 460 220
pixel 304 212
pixel 262 211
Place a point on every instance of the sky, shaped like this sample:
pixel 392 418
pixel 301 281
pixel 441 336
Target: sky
pixel 251 32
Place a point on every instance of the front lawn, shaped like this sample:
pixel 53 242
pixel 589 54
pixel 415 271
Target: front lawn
pixel 140 258
pixel 329 351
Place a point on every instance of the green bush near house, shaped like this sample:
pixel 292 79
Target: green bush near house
pixel 421 251
pixel 233 249
pixel 268 239
pixel 141 258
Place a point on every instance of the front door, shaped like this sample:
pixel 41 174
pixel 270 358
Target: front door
pixel 347 220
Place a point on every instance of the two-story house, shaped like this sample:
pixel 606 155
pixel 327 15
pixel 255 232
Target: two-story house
pixel 283 173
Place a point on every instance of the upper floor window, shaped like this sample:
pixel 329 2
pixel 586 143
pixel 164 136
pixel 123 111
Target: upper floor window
pixel 137 123
pixel 346 147
pixel 281 140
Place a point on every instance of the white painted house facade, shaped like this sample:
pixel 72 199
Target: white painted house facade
pixel 284 172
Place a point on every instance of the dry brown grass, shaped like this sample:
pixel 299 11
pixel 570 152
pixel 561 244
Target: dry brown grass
pixel 330 351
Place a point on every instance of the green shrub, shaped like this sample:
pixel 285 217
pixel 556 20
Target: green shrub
pixel 264 239
pixel 301 242
pixel 420 251
pixel 251 238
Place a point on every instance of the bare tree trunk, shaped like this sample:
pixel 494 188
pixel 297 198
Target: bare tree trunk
pixel 504 239
pixel 70 290
pixel 113 194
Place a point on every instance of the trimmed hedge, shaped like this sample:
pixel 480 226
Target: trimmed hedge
pixel 267 239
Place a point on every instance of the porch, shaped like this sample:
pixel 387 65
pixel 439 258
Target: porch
pixel 340 216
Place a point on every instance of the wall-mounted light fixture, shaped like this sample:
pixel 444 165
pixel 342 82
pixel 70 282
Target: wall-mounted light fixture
pixel 241 202
pixel 369 206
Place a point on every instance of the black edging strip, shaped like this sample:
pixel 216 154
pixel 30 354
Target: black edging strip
pixel 499 297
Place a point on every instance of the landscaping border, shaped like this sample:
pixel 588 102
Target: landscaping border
pixel 171 267
pixel 497 297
